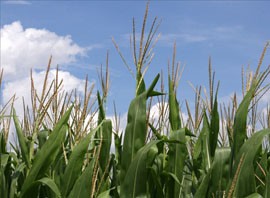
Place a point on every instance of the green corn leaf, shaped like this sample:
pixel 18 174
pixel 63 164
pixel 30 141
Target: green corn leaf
pixel 106 131
pixel 240 122
pixel 174 116
pixel 202 147
pixel 254 195
pixel 22 140
pixel 105 194
pixel 136 130
pixel 140 84
pixel 267 190
pixel 203 188
pixel 47 154
pixel 176 160
pixel 135 181
pixel 101 113
pixel 42 137
pixel 83 185
pixel 214 128
pixel 44 181
pixel 75 163
pixel 14 183
pixel 245 159
pixel 220 172
pixel 2 142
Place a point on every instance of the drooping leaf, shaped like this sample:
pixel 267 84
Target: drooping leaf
pixel 45 181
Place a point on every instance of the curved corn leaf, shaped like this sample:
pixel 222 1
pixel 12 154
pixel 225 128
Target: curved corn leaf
pixel 135 183
pixel 245 159
pixel 45 181
pixel 47 154
pixel 22 140
pixel 83 185
pixel 75 163
pixel 136 129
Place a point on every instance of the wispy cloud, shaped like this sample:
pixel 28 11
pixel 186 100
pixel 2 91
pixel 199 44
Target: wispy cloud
pixel 202 34
pixel 17 2
pixel 196 33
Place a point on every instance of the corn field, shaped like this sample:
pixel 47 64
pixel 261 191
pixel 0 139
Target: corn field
pixel 61 150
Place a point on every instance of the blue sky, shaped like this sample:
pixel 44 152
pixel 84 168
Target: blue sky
pixel 233 33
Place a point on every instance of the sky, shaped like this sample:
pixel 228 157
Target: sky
pixel 78 35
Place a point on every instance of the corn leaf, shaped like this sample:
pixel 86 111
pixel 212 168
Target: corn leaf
pixel 267 190
pixel 220 172
pixel 176 160
pixel 74 166
pixel 14 183
pixel 106 131
pixel 136 130
pixel 22 140
pixel 240 123
pixel 47 154
pixel 135 183
pixel 214 128
pixel 254 195
pixel 202 147
pixel 83 185
pixel 174 116
pixel 44 181
pixel 246 156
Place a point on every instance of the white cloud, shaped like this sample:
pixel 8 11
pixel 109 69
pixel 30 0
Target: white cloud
pixel 23 49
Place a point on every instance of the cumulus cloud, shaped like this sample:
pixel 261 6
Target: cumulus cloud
pixel 23 49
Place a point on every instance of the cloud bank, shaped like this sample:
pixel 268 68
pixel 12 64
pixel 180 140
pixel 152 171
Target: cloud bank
pixel 23 49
